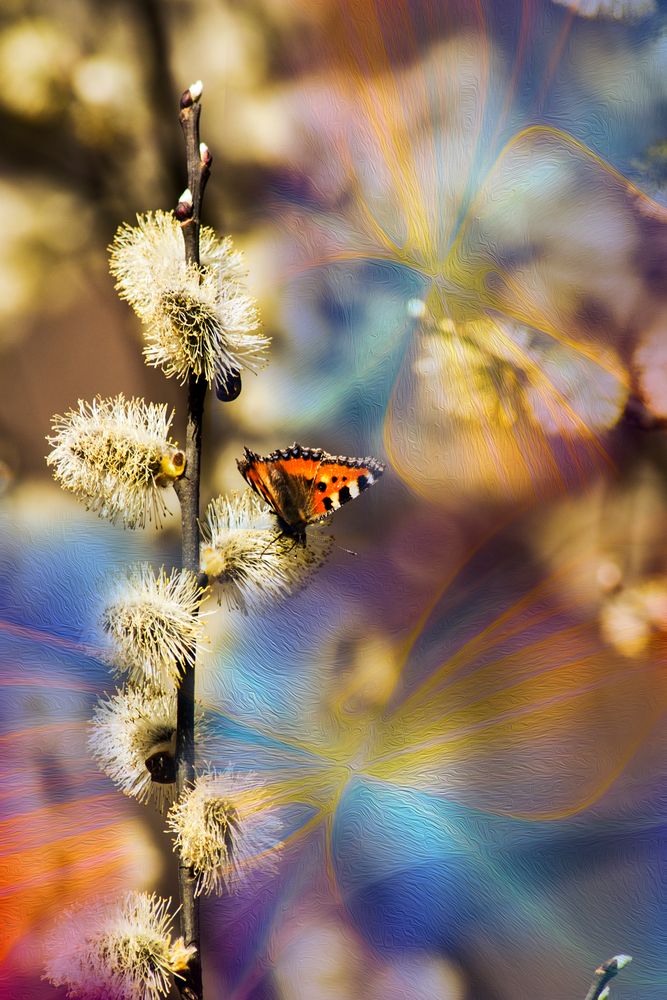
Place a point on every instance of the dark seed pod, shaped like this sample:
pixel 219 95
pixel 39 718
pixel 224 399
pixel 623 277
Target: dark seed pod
pixel 162 767
pixel 228 387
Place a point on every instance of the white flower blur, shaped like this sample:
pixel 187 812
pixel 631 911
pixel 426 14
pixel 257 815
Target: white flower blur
pixel 133 738
pixel 117 950
pixel 245 552
pixel 632 617
pixel 619 10
pixel 197 320
pixel 153 623
pixel 116 455
pixel 224 828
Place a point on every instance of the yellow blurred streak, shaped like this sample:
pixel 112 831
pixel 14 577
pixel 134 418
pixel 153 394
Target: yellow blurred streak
pixel 502 753
pixel 419 127
pixel 507 686
pixel 523 612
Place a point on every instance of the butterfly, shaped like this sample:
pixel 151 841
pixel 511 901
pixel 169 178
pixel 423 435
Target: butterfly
pixel 305 485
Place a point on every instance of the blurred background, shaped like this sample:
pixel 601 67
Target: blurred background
pixel 453 215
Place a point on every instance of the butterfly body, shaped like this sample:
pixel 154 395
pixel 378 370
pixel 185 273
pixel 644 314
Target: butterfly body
pixel 305 485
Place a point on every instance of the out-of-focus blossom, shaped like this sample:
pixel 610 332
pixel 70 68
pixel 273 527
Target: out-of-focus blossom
pixel 631 618
pixel 37 55
pixel 101 84
pixel 527 252
pixel 605 542
pixel 197 319
pixel 117 950
pixel 421 977
pixel 650 361
pixel 50 231
pixel 365 670
pixel 318 955
pixel 494 401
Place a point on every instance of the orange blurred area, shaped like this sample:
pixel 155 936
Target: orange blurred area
pixel 49 862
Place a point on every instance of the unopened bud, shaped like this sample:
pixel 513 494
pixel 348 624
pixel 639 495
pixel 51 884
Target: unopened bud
pixel 192 94
pixel 183 210
pixel 205 154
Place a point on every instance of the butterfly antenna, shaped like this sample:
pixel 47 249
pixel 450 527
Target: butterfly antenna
pixel 273 541
pixel 342 549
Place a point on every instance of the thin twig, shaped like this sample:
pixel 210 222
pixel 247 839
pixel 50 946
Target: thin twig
pixel 188 213
pixel 603 974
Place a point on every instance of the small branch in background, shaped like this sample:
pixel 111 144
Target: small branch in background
pixel 199 161
pixel 188 213
pixel 603 974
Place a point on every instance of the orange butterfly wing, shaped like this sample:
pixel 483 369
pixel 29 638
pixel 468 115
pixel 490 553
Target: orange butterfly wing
pixel 302 485
pixel 339 480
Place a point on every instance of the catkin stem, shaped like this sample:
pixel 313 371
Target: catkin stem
pixel 188 494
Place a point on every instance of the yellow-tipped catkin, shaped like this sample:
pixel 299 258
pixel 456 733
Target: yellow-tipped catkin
pixel 133 739
pixel 153 622
pixel 117 949
pixel 224 827
pixel 247 555
pixel 198 320
pixel 116 456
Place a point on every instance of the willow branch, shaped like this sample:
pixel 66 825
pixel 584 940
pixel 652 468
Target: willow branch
pixel 188 213
pixel 603 974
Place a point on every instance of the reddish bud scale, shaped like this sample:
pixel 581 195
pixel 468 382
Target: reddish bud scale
pixel 183 211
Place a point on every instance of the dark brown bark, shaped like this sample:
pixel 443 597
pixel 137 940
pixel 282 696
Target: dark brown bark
pixel 187 489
